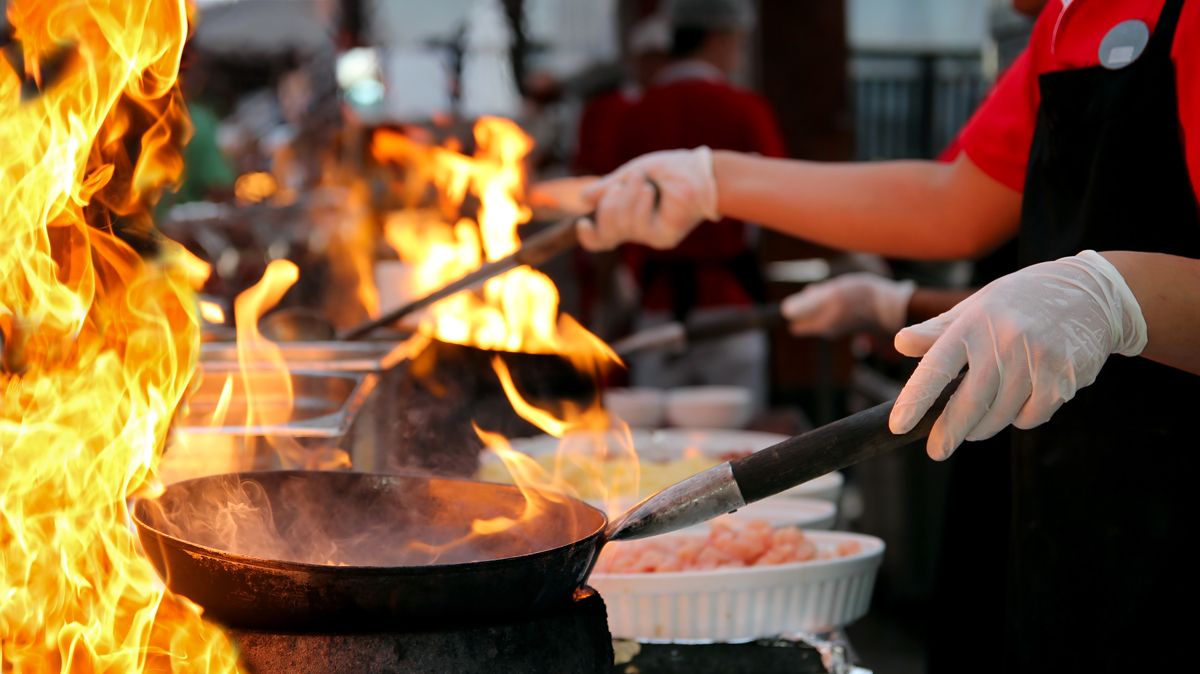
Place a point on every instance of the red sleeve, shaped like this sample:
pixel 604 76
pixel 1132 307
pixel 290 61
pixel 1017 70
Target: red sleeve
pixel 585 150
pixel 998 137
pixel 599 127
pixel 1187 84
pixel 766 138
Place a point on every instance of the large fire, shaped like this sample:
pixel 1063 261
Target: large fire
pixel 517 311
pixel 101 344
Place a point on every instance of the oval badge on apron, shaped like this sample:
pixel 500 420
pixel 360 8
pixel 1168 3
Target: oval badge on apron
pixel 1124 44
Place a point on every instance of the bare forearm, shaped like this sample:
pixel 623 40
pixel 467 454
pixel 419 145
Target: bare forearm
pixel 911 209
pixel 1167 288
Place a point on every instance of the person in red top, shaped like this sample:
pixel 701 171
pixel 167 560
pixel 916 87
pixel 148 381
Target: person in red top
pixel 691 103
pixel 603 116
pixel 1088 151
pixel 596 154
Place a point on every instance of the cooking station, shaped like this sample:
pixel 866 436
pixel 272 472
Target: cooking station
pixel 571 641
pixel 572 638
pixel 336 417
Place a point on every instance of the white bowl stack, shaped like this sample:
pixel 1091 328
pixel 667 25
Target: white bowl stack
pixel 709 407
pixel 638 407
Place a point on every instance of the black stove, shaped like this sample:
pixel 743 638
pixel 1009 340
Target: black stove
pixel 571 640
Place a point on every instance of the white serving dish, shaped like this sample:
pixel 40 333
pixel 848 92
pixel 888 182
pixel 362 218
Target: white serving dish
pixel 638 407
pixel 709 407
pixel 806 513
pixel 744 604
pixel 667 444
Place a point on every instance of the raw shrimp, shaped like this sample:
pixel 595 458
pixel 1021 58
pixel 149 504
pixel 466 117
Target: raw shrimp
pixel 754 543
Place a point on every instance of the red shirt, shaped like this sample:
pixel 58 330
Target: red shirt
pixel 998 137
pixel 599 126
pixel 688 112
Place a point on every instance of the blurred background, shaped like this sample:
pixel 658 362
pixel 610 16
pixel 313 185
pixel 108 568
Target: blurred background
pixel 286 96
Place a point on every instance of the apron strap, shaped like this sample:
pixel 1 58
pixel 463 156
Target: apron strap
pixel 1164 33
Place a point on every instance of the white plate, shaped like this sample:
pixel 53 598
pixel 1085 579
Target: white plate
pixel 743 604
pixel 668 444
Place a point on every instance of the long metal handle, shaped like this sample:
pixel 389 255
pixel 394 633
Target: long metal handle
pixel 676 335
pixel 732 322
pixel 828 448
pixel 732 485
pixel 540 248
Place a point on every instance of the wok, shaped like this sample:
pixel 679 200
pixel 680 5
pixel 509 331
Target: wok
pixel 409 561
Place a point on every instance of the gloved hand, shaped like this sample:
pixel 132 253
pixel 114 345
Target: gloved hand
pixel 860 301
pixel 625 200
pixel 1031 340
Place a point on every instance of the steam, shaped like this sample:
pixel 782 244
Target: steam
pixel 347 519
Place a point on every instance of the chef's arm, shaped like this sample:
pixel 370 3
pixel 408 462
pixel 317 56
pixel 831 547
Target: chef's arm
pixel 911 209
pixel 1167 288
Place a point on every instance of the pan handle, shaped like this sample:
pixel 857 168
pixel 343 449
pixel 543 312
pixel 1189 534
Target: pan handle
pixel 834 446
pixel 735 321
pixel 731 485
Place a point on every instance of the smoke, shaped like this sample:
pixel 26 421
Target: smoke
pixel 351 519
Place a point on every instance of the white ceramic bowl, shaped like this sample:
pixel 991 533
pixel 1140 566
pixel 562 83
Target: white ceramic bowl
pixel 743 604
pixel 638 407
pixel 806 513
pixel 709 407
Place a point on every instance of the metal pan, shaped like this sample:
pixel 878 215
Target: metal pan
pixel 411 559
pixel 250 583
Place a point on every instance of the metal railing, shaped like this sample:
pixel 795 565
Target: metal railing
pixel 911 104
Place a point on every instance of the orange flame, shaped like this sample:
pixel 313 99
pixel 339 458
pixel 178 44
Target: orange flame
pixel 212 312
pixel 106 340
pixel 535 484
pixel 517 311
pixel 266 379
pixel 595 456
pixel 253 188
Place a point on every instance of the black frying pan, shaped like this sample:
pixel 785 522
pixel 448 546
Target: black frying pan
pixel 374 519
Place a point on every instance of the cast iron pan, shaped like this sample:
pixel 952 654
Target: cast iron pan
pixel 405 539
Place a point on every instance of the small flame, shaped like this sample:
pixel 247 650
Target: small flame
pixel 197 270
pixel 538 488
pixel 595 453
pixel 253 188
pixel 212 312
pixel 222 406
pixel 267 381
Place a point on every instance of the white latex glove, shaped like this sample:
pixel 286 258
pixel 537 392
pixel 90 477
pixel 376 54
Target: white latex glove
pixel 860 301
pixel 1031 340
pixel 624 200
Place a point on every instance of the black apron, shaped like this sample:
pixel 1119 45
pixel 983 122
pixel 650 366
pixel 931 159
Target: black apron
pixel 1106 496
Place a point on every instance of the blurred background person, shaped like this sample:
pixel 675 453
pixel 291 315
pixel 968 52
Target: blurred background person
pixel 692 102
pixel 606 293
pixel 601 121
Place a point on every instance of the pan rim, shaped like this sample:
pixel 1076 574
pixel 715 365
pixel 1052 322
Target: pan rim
pixel 283 564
